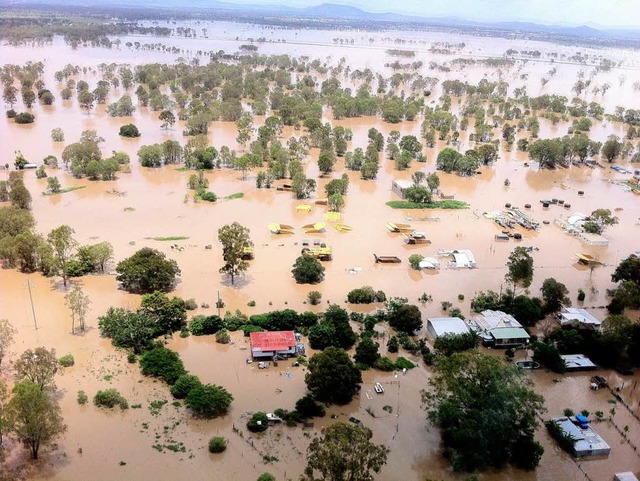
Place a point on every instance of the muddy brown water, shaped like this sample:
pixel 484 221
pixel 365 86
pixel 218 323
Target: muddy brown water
pixel 97 441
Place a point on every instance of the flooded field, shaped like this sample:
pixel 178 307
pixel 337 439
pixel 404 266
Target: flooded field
pixel 146 203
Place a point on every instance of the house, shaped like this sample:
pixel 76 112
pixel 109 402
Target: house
pixel 270 344
pixel 462 259
pixel 626 476
pixel 577 362
pixel 579 318
pixel 400 186
pixel 587 442
pixel 441 326
pixel 499 329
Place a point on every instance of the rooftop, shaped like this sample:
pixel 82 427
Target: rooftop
pixel 272 341
pixel 587 441
pixel 488 320
pixel 576 315
pixel 577 362
pixel 448 325
pixel 403 184
pixel 509 333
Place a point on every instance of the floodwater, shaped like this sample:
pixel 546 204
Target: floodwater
pixel 146 203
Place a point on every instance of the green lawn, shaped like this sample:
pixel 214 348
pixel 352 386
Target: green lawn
pixel 434 204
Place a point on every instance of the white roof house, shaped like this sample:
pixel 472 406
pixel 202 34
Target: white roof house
pixel 577 362
pixel 462 258
pixel 440 326
pixel 429 263
pixel 587 441
pixel 576 317
pixel 499 328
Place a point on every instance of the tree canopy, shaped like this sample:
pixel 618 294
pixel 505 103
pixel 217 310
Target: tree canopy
pixel 235 242
pixel 146 271
pixel 332 376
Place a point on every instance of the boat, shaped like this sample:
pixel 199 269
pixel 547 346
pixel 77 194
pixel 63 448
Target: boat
pixel 586 259
pixel 502 237
pixel 303 207
pixel 416 238
pixel 314 228
pixel 394 227
pixel 342 228
pixel 280 228
pixel 378 388
pixel 387 259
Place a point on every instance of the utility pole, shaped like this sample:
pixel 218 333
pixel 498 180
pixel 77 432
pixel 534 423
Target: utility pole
pixel 33 310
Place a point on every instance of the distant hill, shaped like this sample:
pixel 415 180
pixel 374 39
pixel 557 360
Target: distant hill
pixel 345 12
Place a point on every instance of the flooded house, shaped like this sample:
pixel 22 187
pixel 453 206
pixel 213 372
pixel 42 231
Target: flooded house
pixel 272 344
pixel 399 187
pixel 499 329
pixel 578 362
pixel 442 326
pixel 587 442
pixel 578 318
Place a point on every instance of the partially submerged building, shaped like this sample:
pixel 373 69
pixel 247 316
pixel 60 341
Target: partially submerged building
pixel 442 326
pixel 400 186
pixel 586 442
pixel 574 225
pixel 461 258
pixel 271 344
pixel 499 329
pixel 579 318
pixel 578 362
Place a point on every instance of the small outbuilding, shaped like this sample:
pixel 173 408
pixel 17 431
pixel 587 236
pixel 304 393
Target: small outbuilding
pixel 587 442
pixel 270 344
pixel 579 318
pixel 578 362
pixel 441 326
pixel 400 186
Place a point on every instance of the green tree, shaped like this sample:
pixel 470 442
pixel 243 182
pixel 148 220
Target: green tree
pixel 63 245
pixel 266 477
pixel 235 242
pixel 433 182
pixel 485 410
pixel 126 329
pixel 53 185
pixel 344 452
pixel 332 377
pixel 86 100
pixel 7 334
pixel 245 128
pixel 628 270
pixel 129 130
pixel 167 118
pixel 162 363
pixel 37 365
pixel 336 202
pixel 307 270
pixel 520 268
pixel 554 295
pixel 612 148
pixel 78 303
pixel 208 400
pixel 402 316
pixel 326 160
pixel 36 417
pixel 167 315
pixel 367 351
pixel 10 95
pixel 5 421
pixel 548 152
pixel 146 271
pixel 599 220
pixel 19 195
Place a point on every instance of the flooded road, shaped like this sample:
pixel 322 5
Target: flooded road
pixel 147 203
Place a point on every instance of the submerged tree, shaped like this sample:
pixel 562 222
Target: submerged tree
pixel 520 265
pixel 78 303
pixel 236 244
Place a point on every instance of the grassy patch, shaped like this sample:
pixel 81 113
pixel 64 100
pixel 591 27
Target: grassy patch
pixel 64 191
pixel 170 238
pixel 434 204
pixel 182 169
pixel 129 209
pixel 237 195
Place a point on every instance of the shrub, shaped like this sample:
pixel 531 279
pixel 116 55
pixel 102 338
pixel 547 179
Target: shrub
pixel 308 407
pixel 147 270
pixel 163 363
pixel 67 361
pixel 190 304
pixel 314 298
pixel 266 477
pixel 82 398
pixel 581 295
pixel 184 384
pixel 11 114
pixel 217 444
pixel 365 295
pixel 449 344
pixel 208 196
pixel 129 130
pixel 223 337
pixel 110 398
pixel 402 363
pixel 384 364
pixel 204 325
pixel 415 260
pixel 24 118
pixel 132 358
pixel 307 270
pixel 258 423
pixel 393 344
pixel 208 400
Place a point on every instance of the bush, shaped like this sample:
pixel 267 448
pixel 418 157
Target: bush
pixel 162 363
pixel 184 384
pixel 314 298
pixel 452 343
pixel 208 400
pixel 11 114
pixel 266 477
pixel 415 260
pixel 258 423
pixel 384 364
pixel 208 196
pixel 67 361
pixel 581 295
pixel 223 337
pixel 307 270
pixel 82 398
pixel 110 398
pixel 365 295
pixel 205 325
pixel 132 358
pixel 393 344
pixel 24 118
pixel 217 444
pixel 402 363
pixel 308 407
pixel 190 304
pixel 146 271
pixel 129 130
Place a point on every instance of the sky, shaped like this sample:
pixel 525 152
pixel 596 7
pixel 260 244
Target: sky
pixel 610 13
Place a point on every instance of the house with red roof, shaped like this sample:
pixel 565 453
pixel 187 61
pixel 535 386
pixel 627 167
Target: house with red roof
pixel 269 344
